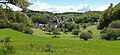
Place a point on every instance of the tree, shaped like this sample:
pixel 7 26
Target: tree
pixel 27 30
pixel 18 26
pixel 23 18
pixel 8 17
pixel 77 20
pixel 86 20
pixel 49 27
pixel 110 33
pixel 20 3
pixel 90 31
pixel 109 15
pixel 71 26
pixel 4 22
pixel 85 35
pixel 90 16
pixel 40 18
pixel 55 32
pixel 114 24
pixel 66 30
pixel 84 26
pixel 76 32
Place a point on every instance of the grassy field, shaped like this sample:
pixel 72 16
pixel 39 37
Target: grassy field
pixel 66 45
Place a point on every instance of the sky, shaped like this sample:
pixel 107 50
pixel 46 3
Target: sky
pixel 60 6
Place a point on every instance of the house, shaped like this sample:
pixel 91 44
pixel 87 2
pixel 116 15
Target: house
pixel 41 26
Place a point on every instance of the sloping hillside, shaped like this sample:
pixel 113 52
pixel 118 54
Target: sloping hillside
pixel 61 46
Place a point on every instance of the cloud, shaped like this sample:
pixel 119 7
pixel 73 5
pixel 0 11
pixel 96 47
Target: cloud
pixel 84 7
pixel 41 6
pixel 101 8
pixel 13 7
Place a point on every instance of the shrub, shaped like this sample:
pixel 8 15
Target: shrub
pixel 56 32
pixel 7 49
pixel 70 26
pixel 86 36
pixel 110 33
pixel 66 30
pixel 49 27
pixel 27 30
pixel 3 25
pixel 15 26
pixel 90 31
pixel 84 27
pixel 18 26
pixel 75 32
pixel 114 24
pixel 32 47
pixel 47 48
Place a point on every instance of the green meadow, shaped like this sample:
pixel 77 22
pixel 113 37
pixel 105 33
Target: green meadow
pixel 65 45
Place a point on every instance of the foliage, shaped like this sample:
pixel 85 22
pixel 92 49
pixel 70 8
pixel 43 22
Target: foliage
pixel 47 48
pixel 27 30
pixel 78 20
pixel 105 18
pixel 70 26
pixel 7 48
pixel 20 3
pixel 18 26
pixel 91 16
pixel 76 32
pixel 62 46
pixel 84 27
pixel 90 31
pixel 65 30
pixel 85 35
pixel 8 17
pixel 22 18
pixel 15 26
pixel 49 27
pixel 110 33
pixel 4 24
pixel 109 15
pixel 41 18
pixel 21 27
pixel 55 32
pixel 114 24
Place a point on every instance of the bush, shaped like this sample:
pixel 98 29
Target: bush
pixel 85 36
pixel 3 25
pixel 66 30
pixel 70 26
pixel 84 27
pixel 47 48
pixel 18 26
pixel 110 33
pixel 27 30
pixel 114 24
pixel 56 32
pixel 90 31
pixel 75 32
pixel 15 26
pixel 21 27
pixel 7 48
